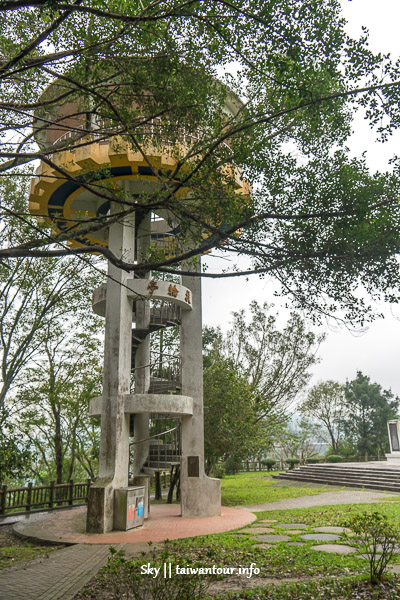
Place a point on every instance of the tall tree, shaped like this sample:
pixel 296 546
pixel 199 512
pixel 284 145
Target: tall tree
pixel 36 295
pixel 251 377
pixel 230 428
pixel 368 408
pixel 325 404
pixel 16 456
pixel 53 404
pixel 40 299
pixel 275 362
pixel 298 440
pixel 317 220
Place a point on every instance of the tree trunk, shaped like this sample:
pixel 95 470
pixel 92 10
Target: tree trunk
pixel 157 480
pixel 58 445
pixel 58 455
pixel 334 443
pixel 178 485
pixel 173 481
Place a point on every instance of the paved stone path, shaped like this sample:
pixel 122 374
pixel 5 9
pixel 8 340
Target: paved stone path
pixel 326 498
pixel 61 575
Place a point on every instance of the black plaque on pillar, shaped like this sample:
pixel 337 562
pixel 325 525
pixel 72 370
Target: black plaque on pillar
pixel 394 437
pixel 193 466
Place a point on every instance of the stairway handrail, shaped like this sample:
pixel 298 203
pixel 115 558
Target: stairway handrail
pixel 154 436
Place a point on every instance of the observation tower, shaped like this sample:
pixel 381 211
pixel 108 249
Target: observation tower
pixel 93 173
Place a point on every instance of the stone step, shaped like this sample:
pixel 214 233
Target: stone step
pixel 156 444
pixel 163 386
pixel 341 475
pixel 328 472
pixel 355 484
pixel 371 483
pixel 346 478
pixel 149 471
pixel 161 464
pixel 342 467
pixel 163 455
pixel 174 456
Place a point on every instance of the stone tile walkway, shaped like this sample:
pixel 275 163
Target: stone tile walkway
pixel 334 548
pixel 317 534
pixel 60 576
pixel 324 499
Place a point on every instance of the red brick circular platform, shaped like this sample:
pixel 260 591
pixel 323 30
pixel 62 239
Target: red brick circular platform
pixel 165 522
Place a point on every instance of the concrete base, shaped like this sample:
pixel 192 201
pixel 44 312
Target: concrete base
pixel 68 526
pixel 200 497
pixel 393 458
pixel 100 514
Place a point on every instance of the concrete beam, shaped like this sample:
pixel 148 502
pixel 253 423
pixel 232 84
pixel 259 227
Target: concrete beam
pixel 161 290
pixel 179 406
pixel 139 289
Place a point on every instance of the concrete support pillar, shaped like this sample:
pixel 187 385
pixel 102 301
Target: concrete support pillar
pixel 114 438
pixel 142 357
pixel 200 495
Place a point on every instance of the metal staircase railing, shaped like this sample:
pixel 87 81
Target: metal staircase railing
pixel 165 451
pixel 165 378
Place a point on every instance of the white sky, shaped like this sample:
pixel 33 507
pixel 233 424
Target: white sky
pixel 377 351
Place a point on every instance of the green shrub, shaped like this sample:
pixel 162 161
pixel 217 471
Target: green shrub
pixel 292 462
pixel 269 463
pixel 218 471
pixel 313 461
pixel 334 458
pixel 232 466
pixel 377 538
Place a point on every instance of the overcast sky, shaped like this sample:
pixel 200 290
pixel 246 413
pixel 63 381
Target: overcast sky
pixel 377 351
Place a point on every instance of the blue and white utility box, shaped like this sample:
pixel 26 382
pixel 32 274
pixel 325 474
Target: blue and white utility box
pixel 128 508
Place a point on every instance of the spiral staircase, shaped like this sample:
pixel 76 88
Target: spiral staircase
pixel 165 378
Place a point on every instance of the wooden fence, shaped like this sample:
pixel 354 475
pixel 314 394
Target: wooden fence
pixel 43 496
pixel 257 465
pixel 53 495
pixel 253 465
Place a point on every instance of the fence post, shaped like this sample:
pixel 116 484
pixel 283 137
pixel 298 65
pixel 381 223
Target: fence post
pixel 3 499
pixel 71 492
pixel 29 498
pixel 51 495
pixel 247 465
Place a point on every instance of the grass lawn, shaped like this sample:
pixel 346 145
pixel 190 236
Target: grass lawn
pixel 332 515
pixel 256 488
pixel 351 588
pixel 14 549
